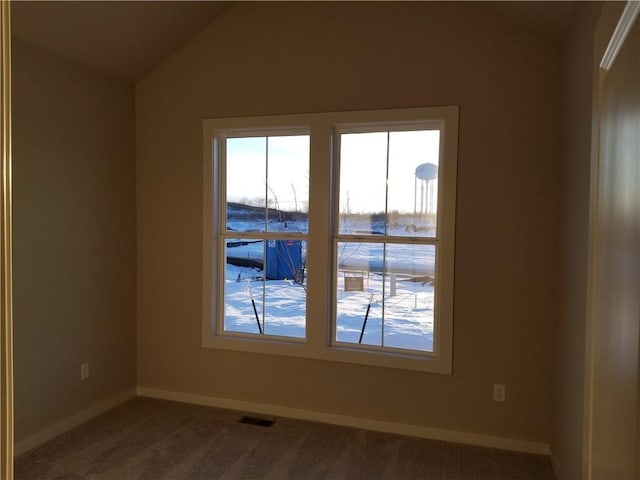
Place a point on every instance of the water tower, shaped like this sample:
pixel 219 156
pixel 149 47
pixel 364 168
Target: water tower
pixel 426 173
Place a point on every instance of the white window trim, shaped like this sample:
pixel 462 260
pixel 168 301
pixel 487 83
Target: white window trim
pixel 318 344
pixel 222 222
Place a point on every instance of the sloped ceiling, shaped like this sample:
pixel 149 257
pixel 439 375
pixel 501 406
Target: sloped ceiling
pixel 127 39
pixel 548 19
pixel 123 38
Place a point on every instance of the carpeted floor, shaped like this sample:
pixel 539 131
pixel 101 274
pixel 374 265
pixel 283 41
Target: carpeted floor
pixel 155 439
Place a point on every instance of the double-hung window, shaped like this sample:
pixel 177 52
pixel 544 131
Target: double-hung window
pixel 263 223
pixel 331 236
pixel 387 236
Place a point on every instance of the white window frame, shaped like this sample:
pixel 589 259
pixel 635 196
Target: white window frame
pixel 221 230
pixel 319 343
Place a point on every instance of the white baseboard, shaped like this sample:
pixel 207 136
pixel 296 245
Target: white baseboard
pixel 356 422
pixel 73 421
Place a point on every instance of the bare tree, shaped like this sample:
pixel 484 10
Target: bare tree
pixel 277 204
pixel 295 196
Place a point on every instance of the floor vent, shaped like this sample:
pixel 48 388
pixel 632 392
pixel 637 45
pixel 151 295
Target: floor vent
pixel 260 422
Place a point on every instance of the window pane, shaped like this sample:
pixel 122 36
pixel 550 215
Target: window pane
pixel 385 295
pixel 264 287
pixel 412 198
pixel 243 285
pixel 409 294
pixel 359 292
pixel 246 167
pixel 363 178
pixel 268 184
pixel 389 183
pixel 288 183
pixel 285 289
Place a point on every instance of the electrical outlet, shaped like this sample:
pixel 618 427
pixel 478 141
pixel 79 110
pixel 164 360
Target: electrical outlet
pixel 84 371
pixel 499 393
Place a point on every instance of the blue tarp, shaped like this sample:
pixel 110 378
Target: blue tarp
pixel 284 260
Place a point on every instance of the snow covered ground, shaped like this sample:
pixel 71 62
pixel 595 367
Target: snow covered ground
pixel 399 300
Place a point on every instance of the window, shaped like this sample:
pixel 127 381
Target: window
pixel 263 233
pixel 387 237
pixel 331 236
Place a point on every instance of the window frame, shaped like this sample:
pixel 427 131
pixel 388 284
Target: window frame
pixel 322 128
pixel 266 235
pixel 386 239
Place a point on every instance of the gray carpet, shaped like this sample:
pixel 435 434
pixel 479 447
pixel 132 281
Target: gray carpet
pixel 155 439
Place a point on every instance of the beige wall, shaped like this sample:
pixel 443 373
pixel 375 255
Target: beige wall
pixel 568 413
pixel 273 58
pixel 74 243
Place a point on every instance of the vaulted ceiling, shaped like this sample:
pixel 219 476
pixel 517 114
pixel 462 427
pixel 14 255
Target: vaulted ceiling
pixel 123 38
pixel 127 39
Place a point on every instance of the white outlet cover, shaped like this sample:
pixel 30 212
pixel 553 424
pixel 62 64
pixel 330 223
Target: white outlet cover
pixel 499 393
pixel 84 371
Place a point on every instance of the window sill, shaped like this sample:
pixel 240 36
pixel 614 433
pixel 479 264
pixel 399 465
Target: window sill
pixel 427 362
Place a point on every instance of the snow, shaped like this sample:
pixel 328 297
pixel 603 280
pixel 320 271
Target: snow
pixel 400 301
